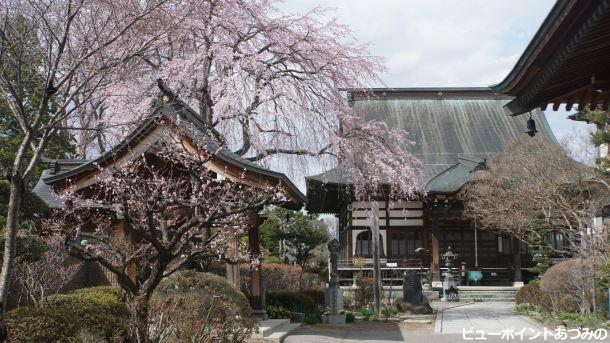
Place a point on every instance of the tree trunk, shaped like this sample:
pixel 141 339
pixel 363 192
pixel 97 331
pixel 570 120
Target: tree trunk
pixel 376 256
pixel 10 245
pixel 301 277
pixel 138 317
pixel 516 260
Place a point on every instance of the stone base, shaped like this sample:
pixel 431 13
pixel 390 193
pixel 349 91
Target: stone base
pixel 437 284
pixel 518 284
pixel 414 308
pixel 333 296
pixel 298 317
pixel 260 314
pixel 330 319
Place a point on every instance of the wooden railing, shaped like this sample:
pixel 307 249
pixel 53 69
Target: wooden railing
pixel 403 263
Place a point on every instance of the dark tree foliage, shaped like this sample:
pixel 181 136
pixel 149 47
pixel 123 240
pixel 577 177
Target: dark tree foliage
pixel 59 146
pixel 303 234
pixel 270 230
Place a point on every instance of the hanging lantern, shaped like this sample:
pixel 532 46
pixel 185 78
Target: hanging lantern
pixel 531 127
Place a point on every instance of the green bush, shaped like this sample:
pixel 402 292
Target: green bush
pixel 198 307
pixel 313 316
pixel 349 317
pixel 568 316
pixel 98 310
pixel 34 325
pixel 292 300
pixel 388 311
pixel 525 308
pixel 278 312
pixel 366 313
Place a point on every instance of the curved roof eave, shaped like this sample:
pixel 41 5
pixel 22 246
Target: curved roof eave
pixel 178 107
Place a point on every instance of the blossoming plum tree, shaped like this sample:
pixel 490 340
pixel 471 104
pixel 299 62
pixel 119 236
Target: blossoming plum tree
pixel 145 219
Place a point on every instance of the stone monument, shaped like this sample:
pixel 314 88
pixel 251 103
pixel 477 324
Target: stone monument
pixel 413 300
pixel 333 295
pixel 411 288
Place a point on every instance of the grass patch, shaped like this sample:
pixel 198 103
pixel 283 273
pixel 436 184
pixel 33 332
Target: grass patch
pixel 571 320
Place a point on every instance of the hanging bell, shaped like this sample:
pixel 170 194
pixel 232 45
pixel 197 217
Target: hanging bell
pixel 531 127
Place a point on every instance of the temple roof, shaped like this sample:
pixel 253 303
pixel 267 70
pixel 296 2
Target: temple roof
pixel 454 129
pixel 182 116
pixel 566 61
pixel 451 180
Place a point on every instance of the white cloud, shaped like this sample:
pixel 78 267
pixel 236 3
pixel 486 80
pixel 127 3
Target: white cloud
pixel 443 42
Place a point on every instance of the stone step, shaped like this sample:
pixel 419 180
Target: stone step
pixel 269 326
pixel 478 295
pixel 282 332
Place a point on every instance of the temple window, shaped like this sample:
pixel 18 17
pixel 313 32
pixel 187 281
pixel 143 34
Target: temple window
pixel 405 243
pixel 364 244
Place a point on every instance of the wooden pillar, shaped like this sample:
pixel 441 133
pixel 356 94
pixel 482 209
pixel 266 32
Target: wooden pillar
pixel 232 269
pixel 232 274
pixel 376 255
pixel 435 266
pixel 258 297
pixel 476 247
pixel 516 260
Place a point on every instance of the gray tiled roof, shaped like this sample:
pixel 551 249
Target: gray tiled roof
pixel 45 192
pixel 445 124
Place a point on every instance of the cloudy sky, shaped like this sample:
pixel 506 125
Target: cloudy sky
pixel 444 43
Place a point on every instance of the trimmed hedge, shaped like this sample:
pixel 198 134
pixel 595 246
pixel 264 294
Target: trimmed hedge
pixel 317 295
pixel 310 302
pixel 292 300
pixel 278 312
pixel 96 310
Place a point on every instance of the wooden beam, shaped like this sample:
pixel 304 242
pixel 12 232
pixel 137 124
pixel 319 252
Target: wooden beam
pixel 583 98
pixel 544 106
pixel 569 104
pixel 556 105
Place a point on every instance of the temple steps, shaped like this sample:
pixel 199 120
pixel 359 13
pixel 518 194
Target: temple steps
pixel 481 294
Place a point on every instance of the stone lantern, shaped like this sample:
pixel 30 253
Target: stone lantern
pixel 450 287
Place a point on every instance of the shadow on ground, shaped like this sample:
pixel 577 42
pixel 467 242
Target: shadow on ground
pixel 357 332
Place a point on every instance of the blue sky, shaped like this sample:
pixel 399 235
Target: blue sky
pixel 445 43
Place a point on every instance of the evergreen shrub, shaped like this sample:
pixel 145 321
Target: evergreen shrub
pixel 64 317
